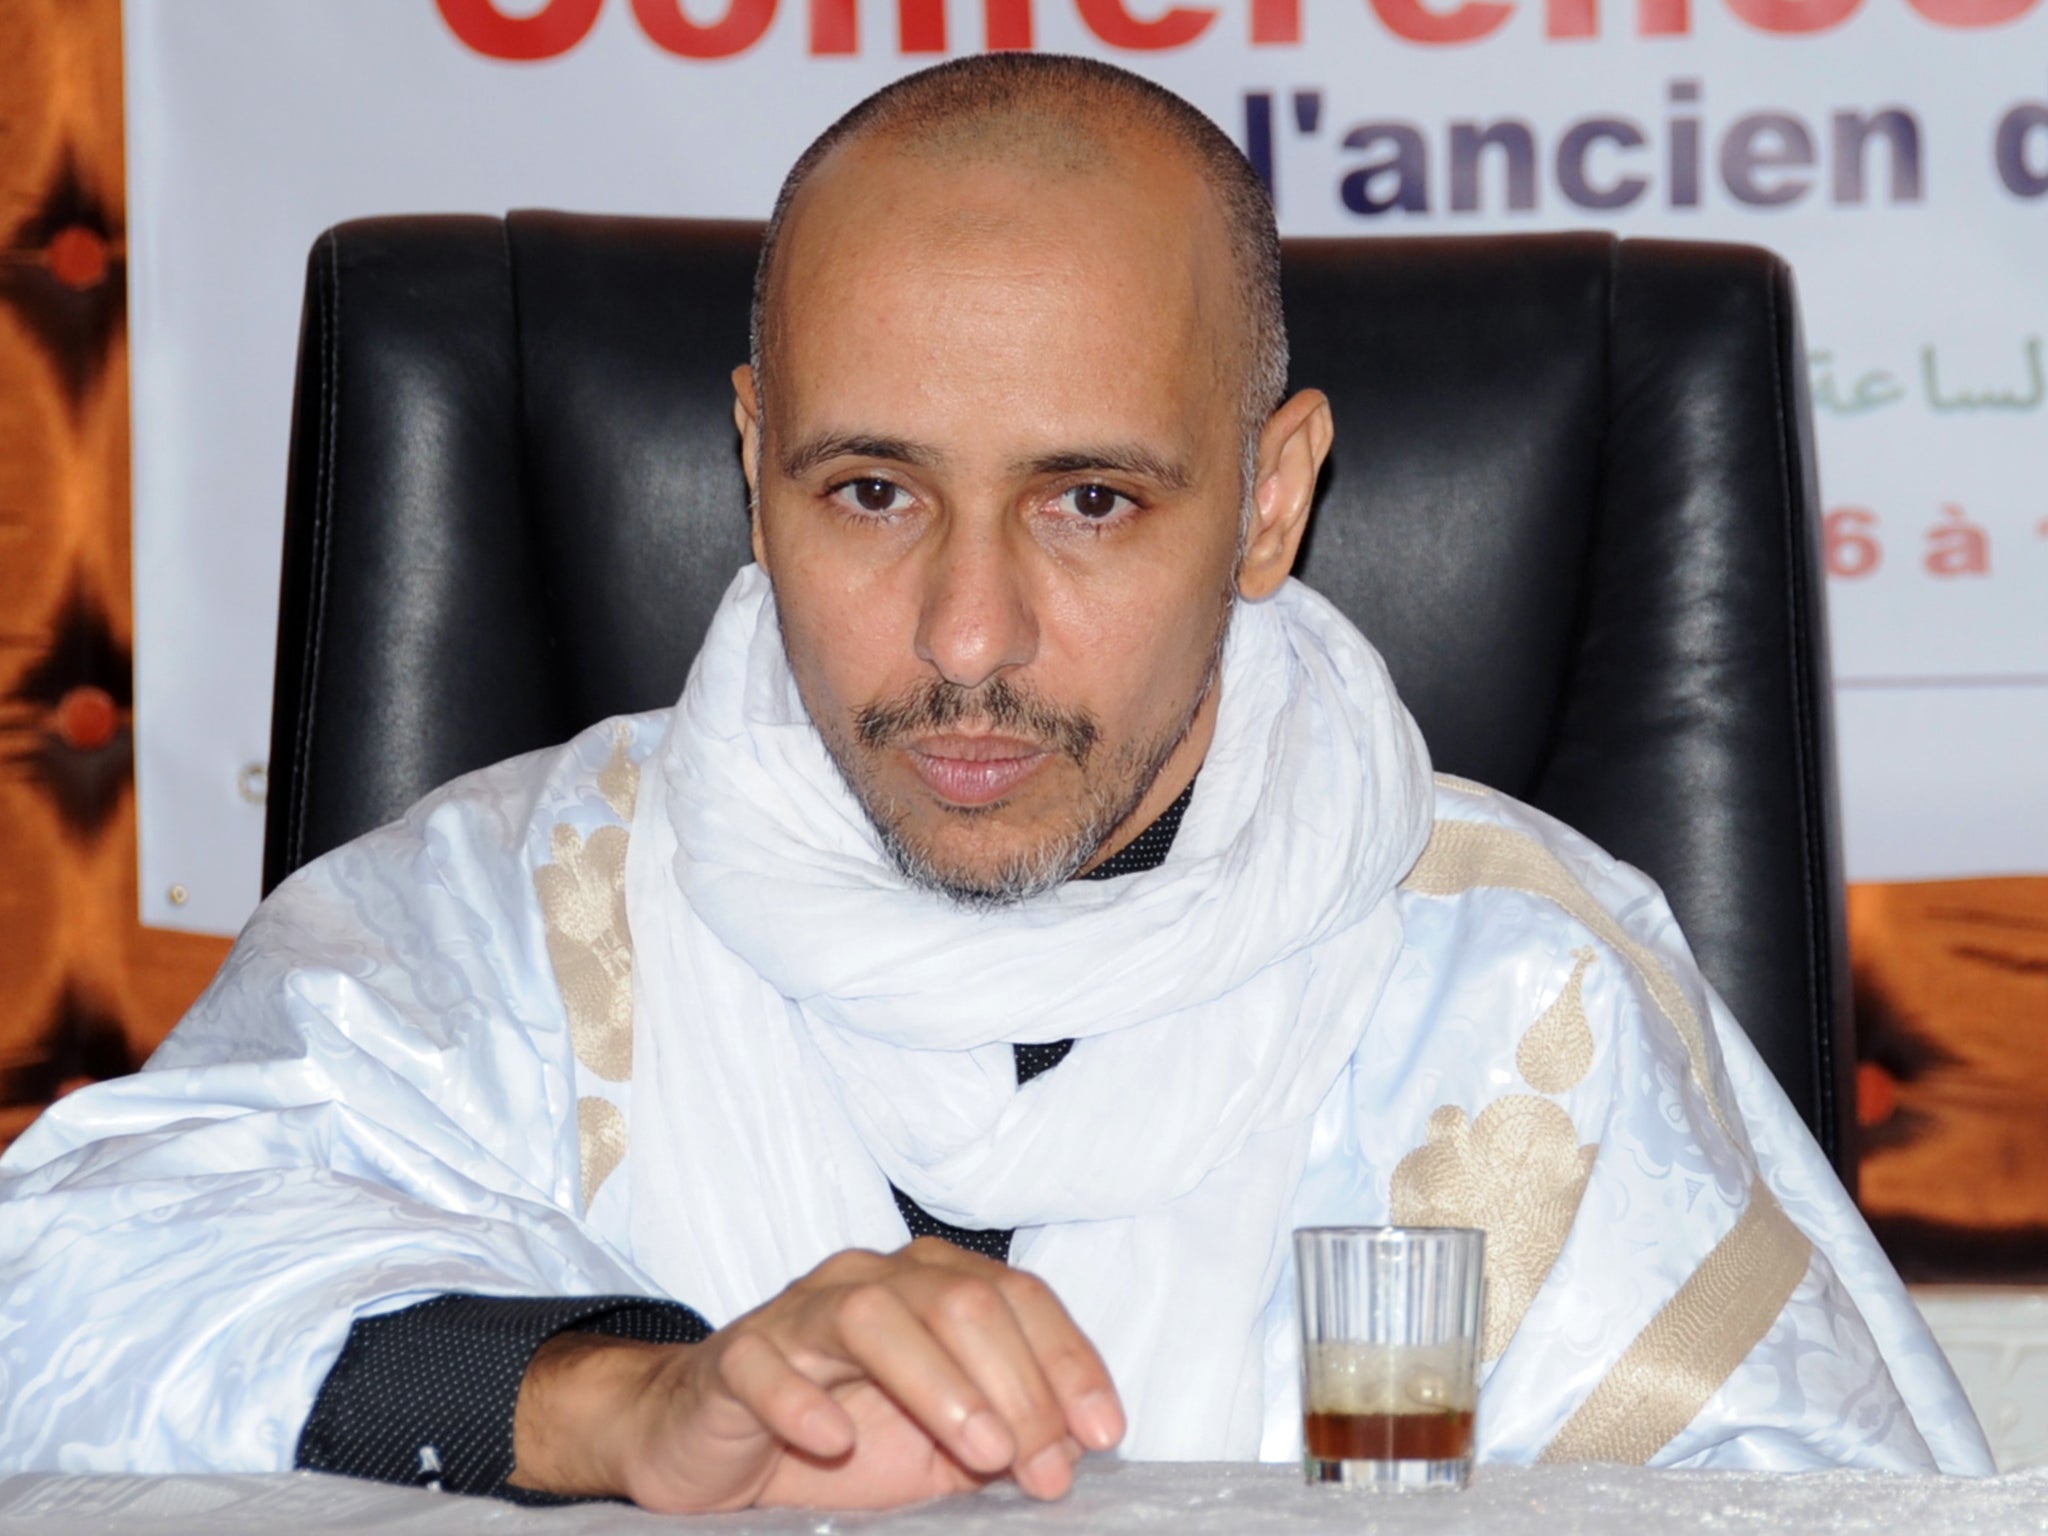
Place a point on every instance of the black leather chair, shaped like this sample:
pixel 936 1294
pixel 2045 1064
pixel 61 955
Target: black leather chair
pixel 1572 500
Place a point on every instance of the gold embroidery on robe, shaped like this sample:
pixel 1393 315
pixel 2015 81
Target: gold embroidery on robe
pixel 583 902
pixel 1557 1052
pixel 620 781
pixel 583 905
pixel 1694 1343
pixel 1463 855
pixel 1460 786
pixel 601 1136
pixel 1518 1172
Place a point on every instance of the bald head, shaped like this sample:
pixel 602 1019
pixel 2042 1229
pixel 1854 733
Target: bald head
pixel 1004 126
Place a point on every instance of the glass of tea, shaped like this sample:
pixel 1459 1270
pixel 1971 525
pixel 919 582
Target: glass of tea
pixel 1389 1353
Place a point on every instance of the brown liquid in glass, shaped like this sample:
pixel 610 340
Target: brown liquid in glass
pixel 1438 1435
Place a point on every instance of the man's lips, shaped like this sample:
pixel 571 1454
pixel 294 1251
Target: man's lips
pixel 975 770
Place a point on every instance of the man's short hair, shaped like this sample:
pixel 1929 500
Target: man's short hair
pixel 1060 109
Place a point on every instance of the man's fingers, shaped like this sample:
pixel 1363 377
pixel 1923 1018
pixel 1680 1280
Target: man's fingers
pixel 792 1407
pixel 877 1330
pixel 982 1358
pixel 972 1318
pixel 1079 1380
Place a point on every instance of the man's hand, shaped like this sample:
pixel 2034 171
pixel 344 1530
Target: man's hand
pixel 874 1380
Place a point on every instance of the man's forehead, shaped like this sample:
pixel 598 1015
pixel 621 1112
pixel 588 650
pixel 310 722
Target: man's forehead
pixel 1022 347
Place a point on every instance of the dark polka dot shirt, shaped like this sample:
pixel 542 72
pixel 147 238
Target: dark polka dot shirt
pixel 426 1395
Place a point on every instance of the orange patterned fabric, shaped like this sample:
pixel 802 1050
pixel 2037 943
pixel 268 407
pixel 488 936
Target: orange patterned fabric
pixel 85 991
pixel 1952 1025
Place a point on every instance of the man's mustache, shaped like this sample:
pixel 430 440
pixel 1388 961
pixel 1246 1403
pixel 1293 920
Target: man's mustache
pixel 997 705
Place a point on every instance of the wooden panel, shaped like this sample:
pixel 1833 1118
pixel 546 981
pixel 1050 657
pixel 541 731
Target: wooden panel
pixel 85 991
pixel 1955 1005
pixel 1952 1014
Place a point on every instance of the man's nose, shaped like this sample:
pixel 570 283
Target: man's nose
pixel 976 618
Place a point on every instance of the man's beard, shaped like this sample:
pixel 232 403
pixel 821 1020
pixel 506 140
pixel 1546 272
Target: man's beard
pixel 1111 794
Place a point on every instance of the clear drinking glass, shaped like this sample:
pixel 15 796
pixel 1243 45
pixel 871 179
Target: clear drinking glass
pixel 1389 1353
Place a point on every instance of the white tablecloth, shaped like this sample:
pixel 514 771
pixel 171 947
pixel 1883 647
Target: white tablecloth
pixel 1116 1498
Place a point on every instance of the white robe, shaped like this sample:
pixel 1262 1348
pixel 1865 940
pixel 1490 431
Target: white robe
pixel 413 1076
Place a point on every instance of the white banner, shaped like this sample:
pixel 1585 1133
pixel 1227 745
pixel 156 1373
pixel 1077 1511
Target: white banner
pixel 1895 150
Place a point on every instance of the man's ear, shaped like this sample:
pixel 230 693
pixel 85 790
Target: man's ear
pixel 1292 446
pixel 746 415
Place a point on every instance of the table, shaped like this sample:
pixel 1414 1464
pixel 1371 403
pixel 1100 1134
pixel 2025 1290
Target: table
pixel 1112 1498
pixel 1996 1337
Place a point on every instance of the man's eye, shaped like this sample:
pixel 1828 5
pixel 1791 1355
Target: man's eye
pixel 871 493
pixel 1093 502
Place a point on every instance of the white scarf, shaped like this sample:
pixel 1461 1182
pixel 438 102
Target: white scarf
pixel 809 1027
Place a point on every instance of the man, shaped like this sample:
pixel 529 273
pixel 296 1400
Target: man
pixel 1029 865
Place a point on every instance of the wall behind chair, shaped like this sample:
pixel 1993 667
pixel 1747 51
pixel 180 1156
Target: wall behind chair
pixel 85 990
